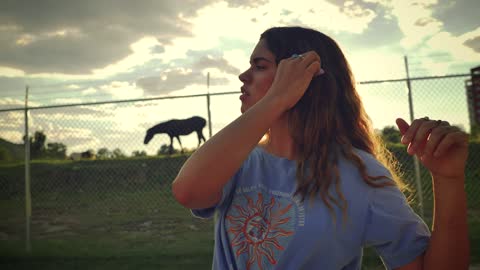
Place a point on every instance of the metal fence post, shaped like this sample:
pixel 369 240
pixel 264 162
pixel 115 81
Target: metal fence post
pixel 28 199
pixel 416 164
pixel 208 107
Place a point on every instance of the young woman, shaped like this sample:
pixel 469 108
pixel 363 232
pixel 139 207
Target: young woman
pixel 318 188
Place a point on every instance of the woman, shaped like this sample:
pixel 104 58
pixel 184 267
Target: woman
pixel 316 190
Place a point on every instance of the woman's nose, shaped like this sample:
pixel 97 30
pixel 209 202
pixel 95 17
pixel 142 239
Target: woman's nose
pixel 243 76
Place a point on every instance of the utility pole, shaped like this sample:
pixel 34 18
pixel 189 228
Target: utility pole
pixel 208 107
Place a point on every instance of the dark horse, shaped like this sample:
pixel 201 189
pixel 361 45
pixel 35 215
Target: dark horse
pixel 175 128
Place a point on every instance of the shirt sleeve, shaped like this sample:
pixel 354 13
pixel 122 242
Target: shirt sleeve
pixel 393 229
pixel 226 192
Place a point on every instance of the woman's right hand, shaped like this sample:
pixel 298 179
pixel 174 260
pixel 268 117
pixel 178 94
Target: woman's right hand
pixel 293 77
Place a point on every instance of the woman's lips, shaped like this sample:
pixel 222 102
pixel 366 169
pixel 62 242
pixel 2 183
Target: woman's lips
pixel 244 94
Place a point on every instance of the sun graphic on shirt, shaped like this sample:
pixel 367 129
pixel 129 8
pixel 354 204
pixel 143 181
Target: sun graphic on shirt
pixel 257 228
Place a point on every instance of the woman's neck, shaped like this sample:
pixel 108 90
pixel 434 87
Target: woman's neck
pixel 279 142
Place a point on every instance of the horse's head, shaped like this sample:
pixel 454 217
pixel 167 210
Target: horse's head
pixel 148 137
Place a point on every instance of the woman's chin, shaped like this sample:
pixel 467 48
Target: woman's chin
pixel 244 107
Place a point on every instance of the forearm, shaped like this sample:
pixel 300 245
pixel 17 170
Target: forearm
pixel 449 245
pixel 202 177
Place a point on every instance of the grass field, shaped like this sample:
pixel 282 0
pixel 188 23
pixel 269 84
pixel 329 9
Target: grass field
pixel 119 214
pixel 137 231
pixel 103 234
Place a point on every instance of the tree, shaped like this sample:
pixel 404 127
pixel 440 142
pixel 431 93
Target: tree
pixel 104 153
pixel 5 155
pixel 118 153
pixel 56 150
pixel 391 134
pixel 475 133
pixel 39 148
pixel 139 153
pixel 165 150
pixel 37 144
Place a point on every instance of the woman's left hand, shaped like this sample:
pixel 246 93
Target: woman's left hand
pixel 440 147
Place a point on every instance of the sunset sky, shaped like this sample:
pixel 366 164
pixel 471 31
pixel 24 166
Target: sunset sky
pixel 98 50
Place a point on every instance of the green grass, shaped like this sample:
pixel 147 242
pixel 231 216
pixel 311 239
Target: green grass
pixel 119 214
pixel 136 231
pixel 474 236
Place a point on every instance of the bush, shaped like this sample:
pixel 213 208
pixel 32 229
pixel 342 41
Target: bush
pixel 5 155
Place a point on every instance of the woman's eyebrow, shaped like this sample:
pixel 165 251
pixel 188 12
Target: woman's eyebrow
pixel 258 59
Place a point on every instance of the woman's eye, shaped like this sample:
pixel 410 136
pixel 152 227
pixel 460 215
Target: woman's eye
pixel 260 67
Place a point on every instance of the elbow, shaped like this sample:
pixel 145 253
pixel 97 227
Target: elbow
pixel 194 197
pixel 181 194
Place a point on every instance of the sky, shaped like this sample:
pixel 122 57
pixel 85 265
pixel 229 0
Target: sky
pixel 70 52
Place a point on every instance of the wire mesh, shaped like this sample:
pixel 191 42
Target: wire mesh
pixel 100 181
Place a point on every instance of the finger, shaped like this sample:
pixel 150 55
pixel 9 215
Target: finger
pixel 296 57
pixel 311 56
pixel 435 138
pixel 452 138
pixel 314 68
pixel 412 130
pixel 420 139
pixel 283 62
pixel 402 125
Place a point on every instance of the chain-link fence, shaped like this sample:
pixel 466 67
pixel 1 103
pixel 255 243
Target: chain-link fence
pixel 118 201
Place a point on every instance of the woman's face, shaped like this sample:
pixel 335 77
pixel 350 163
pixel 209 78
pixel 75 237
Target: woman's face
pixel 259 77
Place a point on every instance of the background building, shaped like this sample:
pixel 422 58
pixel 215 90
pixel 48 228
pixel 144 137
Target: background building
pixel 473 97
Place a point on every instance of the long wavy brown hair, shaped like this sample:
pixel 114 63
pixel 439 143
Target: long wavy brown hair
pixel 329 121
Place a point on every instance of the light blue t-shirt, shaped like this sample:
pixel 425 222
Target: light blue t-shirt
pixel 261 225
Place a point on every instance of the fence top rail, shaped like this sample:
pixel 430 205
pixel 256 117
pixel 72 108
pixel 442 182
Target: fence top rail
pixel 208 94
pixel 417 78
pixel 115 101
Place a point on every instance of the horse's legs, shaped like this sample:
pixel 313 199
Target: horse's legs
pixel 170 149
pixel 181 147
pixel 200 137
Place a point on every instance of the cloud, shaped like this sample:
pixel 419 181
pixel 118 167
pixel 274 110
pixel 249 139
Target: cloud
pixel 178 78
pixel 13 120
pixel 74 37
pixel 462 48
pixel 51 121
pixel 473 43
pixel 122 90
pixel 67 101
pixel 458 16
pixel 144 50
pixel 170 80
pixel 352 9
pixel 246 3
pixel 414 19
pixel 12 101
pixel 11 72
pixel 73 113
pixel 91 40
pixel 89 91
pixel 219 63
pixel 12 86
pixel 424 35
pixel 329 16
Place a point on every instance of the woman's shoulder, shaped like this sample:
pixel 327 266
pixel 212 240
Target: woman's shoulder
pixel 256 157
pixel 351 174
pixel 259 152
pixel 372 164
